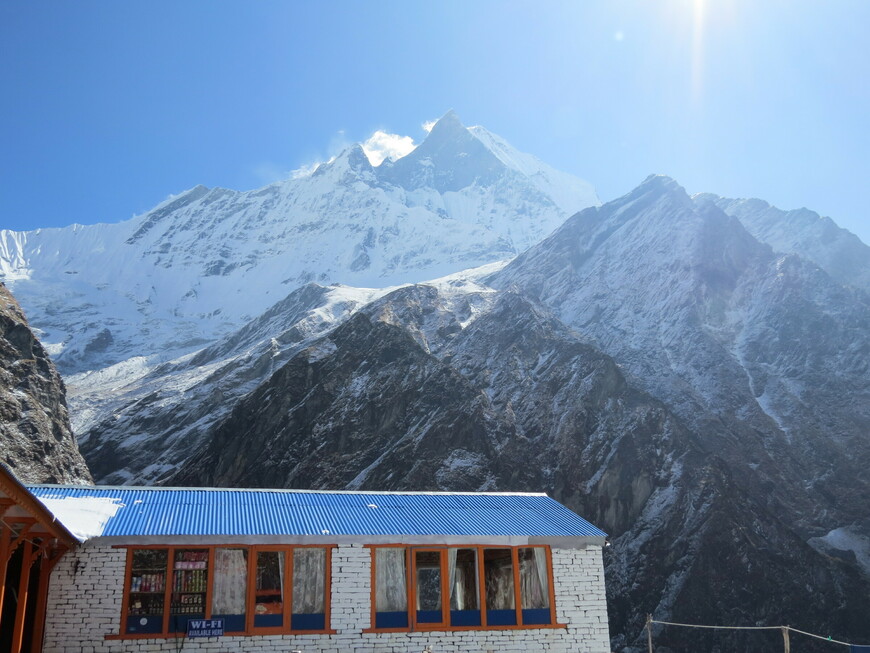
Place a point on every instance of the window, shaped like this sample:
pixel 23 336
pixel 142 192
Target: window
pixel 464 594
pixel 269 591
pixel 229 590
pixel 448 588
pixel 429 585
pixel 309 589
pixel 391 588
pixel 498 578
pixel 189 585
pixel 146 591
pixel 534 585
pixel 255 590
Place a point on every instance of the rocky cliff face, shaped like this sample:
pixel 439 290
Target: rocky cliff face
pixel 37 441
pixel 816 238
pixel 763 357
pixel 762 354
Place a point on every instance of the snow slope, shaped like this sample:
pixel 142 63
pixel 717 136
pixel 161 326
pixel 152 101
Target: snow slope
pixel 206 261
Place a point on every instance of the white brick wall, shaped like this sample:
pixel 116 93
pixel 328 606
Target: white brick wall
pixel 86 591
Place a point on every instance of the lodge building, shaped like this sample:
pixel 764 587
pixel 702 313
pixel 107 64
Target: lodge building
pixel 118 569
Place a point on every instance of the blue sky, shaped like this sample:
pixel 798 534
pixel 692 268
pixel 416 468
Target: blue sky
pixel 108 107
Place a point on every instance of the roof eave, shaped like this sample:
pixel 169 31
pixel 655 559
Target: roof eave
pixel 22 496
pixel 556 542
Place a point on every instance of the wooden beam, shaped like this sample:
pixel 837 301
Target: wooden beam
pixel 19 539
pixel 21 608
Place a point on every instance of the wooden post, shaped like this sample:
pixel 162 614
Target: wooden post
pixel 21 608
pixel 5 554
pixel 649 633
pixel 786 643
pixel 46 564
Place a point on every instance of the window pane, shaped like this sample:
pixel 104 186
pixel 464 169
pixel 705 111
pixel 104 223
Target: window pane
pixel 498 573
pixel 147 591
pixel 464 597
pixel 534 584
pixel 309 577
pixel 189 584
pixel 269 592
pixel 229 592
pixel 462 564
pixel 391 588
pixel 427 565
pixel 309 589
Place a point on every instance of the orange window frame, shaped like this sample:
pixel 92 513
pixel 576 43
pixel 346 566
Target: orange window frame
pixel 410 565
pixel 250 629
pixel 445 591
pixel 251 612
pixel 373 588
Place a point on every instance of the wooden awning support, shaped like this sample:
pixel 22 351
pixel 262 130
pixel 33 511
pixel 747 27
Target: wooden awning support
pixel 5 542
pixel 25 522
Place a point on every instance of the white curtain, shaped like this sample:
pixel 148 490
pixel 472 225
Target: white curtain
pixel 543 577
pixel 391 586
pixel 309 576
pixel 230 581
pixel 534 586
pixel 455 592
pixel 463 579
pixel 281 555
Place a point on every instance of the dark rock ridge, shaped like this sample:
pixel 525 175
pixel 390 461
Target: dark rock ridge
pixel 365 407
pixel 37 441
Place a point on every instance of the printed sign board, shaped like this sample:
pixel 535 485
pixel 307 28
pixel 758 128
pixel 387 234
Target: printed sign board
pixel 205 627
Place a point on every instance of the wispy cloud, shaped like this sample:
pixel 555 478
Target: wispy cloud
pixel 382 145
pixel 305 170
pixel 428 125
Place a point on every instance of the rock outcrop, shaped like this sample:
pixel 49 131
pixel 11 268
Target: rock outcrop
pixel 37 442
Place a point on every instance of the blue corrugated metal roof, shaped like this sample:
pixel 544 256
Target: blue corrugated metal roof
pixel 192 511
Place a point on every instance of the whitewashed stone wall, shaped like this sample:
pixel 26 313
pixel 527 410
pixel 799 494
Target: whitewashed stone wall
pixel 86 592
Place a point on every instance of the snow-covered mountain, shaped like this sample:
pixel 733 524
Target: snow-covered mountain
pixel 734 337
pixel 691 373
pixel 816 238
pixel 204 262
pixel 653 365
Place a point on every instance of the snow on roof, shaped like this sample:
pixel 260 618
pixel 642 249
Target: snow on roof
pixel 85 517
